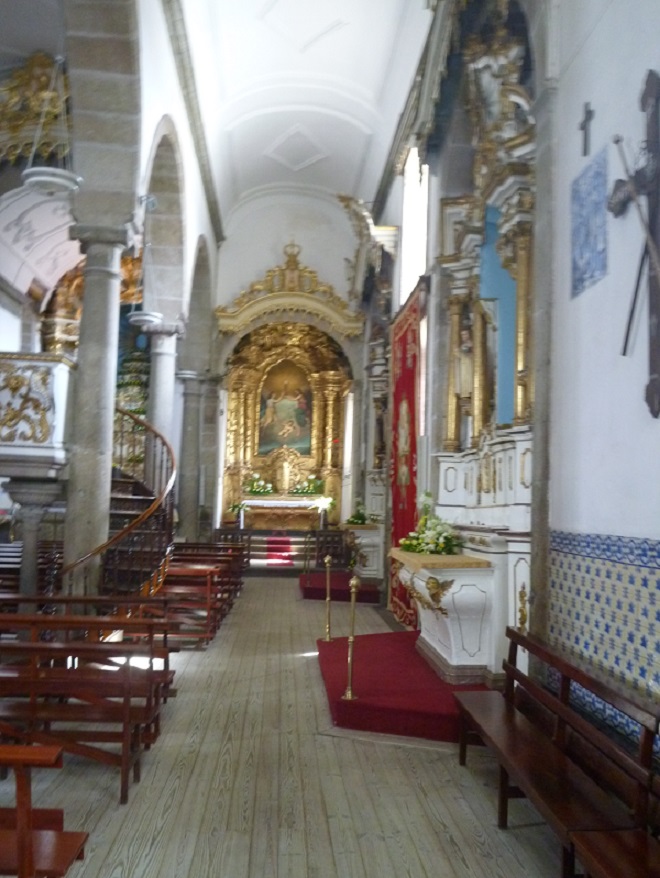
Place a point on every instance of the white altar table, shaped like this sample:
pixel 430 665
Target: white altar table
pixel 281 512
pixel 455 602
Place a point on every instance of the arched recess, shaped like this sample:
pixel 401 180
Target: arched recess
pixel 103 66
pixel 163 273
pixel 199 447
pixel 163 228
pixel 195 347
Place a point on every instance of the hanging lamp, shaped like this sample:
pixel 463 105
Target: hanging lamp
pixel 49 179
pixel 144 319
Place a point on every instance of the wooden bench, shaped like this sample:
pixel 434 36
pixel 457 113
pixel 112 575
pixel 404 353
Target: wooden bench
pixel 76 696
pixel 33 841
pixel 198 600
pixel 150 626
pixel 231 556
pixel 580 775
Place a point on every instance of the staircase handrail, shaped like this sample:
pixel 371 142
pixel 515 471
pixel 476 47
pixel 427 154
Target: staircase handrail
pixel 156 504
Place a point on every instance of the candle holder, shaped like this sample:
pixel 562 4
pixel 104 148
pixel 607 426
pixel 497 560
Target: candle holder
pixel 328 561
pixel 354 586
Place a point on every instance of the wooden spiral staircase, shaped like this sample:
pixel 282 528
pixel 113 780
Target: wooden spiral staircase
pixel 134 558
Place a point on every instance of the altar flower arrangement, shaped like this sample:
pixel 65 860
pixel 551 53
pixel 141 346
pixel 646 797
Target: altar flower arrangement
pixel 322 504
pixel 256 485
pixel 433 536
pixel 311 485
pixel 359 516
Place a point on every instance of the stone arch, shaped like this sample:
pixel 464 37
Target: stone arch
pixel 195 349
pixel 163 257
pixel 198 461
pixel 103 63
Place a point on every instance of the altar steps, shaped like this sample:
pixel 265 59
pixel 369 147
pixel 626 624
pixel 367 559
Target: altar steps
pixel 278 550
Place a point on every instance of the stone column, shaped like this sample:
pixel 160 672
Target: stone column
pixel 91 434
pixel 161 378
pixel 544 282
pixel 34 496
pixel 189 460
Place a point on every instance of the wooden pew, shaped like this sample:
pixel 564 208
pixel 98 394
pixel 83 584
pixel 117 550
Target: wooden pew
pixel 231 556
pixel 76 696
pixel 152 627
pixel 198 598
pixel 33 841
pixel 634 853
pixel 580 777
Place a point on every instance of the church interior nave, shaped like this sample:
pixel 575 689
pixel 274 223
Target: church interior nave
pixel 249 778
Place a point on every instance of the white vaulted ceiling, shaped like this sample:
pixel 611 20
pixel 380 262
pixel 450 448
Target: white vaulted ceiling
pixel 311 92
pixel 297 98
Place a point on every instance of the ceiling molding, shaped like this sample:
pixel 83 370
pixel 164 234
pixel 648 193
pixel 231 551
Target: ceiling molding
pixel 183 59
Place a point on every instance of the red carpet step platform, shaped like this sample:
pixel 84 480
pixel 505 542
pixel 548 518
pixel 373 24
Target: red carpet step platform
pixel 313 587
pixel 278 551
pixel 397 692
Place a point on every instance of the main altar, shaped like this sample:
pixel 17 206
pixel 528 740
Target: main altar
pixel 287 380
pixel 278 512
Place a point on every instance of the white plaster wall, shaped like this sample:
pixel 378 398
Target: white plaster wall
pixel 260 229
pixel 391 216
pixel 604 460
pixel 161 96
pixel 10 331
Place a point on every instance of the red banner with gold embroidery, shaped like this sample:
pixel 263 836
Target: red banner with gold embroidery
pixel 403 466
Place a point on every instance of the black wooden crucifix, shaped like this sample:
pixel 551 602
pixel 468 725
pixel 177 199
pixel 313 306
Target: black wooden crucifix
pixel 585 126
pixel 646 181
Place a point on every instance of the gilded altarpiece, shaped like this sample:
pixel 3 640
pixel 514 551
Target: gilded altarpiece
pixel 286 386
pixel 287 379
pixel 484 468
pixel 485 254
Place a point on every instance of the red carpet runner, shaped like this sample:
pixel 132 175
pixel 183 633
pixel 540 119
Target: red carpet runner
pixel 278 551
pixel 397 692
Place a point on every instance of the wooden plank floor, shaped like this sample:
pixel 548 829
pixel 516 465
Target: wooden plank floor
pixel 249 778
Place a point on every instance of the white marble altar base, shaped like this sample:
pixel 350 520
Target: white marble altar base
pixel 454 597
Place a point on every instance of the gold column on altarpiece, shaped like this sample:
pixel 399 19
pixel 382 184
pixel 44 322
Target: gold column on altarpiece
pixel 333 389
pixel 479 389
pixel 453 429
pixel 241 431
pixel 524 380
pixel 515 248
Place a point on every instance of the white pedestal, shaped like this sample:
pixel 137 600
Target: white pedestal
pixel 455 598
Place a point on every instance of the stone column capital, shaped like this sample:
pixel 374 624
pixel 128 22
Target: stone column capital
pixel 163 329
pixel 163 344
pixel 110 236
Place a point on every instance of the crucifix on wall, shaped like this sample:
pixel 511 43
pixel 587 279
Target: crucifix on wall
pixel 585 128
pixel 645 181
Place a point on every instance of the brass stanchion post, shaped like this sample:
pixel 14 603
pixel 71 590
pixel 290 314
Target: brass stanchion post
pixel 328 602
pixel 354 585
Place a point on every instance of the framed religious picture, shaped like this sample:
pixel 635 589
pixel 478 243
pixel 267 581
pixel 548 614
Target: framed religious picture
pixel 286 410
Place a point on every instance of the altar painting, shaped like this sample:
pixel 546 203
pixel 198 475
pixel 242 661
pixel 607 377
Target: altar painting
pixel 285 414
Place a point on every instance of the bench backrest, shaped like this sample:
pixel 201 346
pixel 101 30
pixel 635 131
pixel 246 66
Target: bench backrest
pixel 621 764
